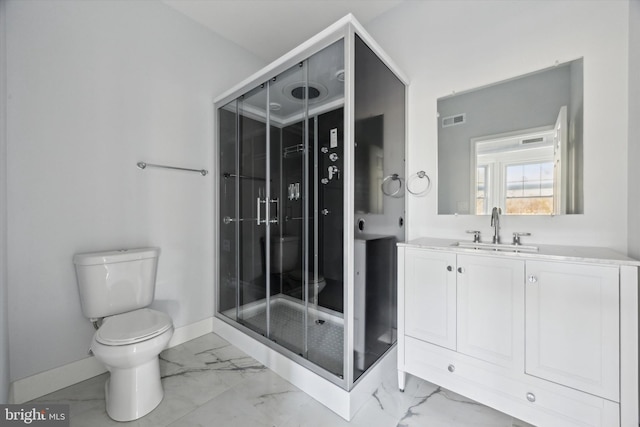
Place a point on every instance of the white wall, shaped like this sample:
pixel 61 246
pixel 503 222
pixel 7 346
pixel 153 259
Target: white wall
pixel 4 318
pixel 634 129
pixel 93 88
pixel 446 46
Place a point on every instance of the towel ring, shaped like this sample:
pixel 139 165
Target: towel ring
pixel 390 178
pixel 421 175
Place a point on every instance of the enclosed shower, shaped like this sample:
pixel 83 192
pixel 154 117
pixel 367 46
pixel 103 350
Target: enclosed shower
pixel 310 204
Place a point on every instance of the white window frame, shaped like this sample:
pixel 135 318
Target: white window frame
pixel 496 152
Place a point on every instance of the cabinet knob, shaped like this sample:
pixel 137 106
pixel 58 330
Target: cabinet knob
pixel 531 397
pixel 460 270
pixel 451 368
pixel 449 268
pixel 532 279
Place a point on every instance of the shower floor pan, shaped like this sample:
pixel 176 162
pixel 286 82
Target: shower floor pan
pixel 325 330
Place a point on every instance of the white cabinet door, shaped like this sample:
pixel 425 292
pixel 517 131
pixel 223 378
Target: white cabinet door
pixel 430 296
pixel 491 309
pixel 572 325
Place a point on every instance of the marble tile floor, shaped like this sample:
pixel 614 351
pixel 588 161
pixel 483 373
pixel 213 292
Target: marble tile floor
pixel 209 382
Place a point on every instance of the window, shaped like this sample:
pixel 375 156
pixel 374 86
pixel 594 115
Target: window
pixel 514 174
pixel 481 189
pixel 529 188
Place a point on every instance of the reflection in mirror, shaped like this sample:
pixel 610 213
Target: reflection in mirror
pixel 516 145
pixel 369 169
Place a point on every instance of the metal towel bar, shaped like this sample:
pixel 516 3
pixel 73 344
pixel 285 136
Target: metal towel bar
pixel 233 175
pixel 143 165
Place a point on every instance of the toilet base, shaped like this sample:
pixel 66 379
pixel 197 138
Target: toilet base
pixel 133 393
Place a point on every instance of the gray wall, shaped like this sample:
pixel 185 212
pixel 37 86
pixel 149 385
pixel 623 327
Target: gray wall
pixel 94 87
pixel 634 129
pixel 4 320
pixel 575 203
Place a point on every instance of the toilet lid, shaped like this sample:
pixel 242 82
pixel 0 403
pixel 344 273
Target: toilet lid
pixel 134 326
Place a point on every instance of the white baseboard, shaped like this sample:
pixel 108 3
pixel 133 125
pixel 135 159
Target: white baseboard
pixel 191 331
pixel 43 383
pixel 29 388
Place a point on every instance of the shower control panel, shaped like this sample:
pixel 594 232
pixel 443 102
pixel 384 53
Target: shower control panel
pixel 333 138
pixel 334 172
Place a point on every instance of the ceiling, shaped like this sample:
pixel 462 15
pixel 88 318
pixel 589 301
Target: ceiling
pixel 271 28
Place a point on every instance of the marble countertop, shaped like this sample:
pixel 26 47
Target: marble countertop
pixel 550 252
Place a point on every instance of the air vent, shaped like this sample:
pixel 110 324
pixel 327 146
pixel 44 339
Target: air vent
pixel 458 119
pixel 533 140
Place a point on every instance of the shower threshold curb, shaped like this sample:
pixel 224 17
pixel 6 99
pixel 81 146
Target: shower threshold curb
pixel 342 402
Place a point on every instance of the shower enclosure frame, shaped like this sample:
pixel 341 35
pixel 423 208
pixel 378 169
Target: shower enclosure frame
pixel 345 29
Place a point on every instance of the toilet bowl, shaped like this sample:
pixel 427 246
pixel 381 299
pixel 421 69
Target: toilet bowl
pixel 284 258
pixel 115 289
pixel 128 345
pixel 316 284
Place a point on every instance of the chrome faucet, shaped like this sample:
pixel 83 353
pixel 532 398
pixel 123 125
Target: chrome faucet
pixel 495 223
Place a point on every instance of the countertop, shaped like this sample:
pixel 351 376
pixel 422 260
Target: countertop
pixel 550 252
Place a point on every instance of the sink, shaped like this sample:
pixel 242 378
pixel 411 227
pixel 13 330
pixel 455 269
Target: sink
pixel 500 247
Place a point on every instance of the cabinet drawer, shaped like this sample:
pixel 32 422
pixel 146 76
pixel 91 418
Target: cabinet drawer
pixel 532 400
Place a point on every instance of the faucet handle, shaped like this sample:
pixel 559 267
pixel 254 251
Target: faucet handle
pixel 516 236
pixel 476 235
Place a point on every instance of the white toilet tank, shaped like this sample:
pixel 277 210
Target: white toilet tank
pixel 115 282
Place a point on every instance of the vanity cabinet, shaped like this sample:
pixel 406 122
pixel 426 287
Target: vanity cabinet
pixel 472 304
pixel 430 297
pixel 490 309
pixel 550 340
pixel 572 326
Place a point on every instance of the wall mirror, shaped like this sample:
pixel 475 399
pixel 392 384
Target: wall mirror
pixel 516 144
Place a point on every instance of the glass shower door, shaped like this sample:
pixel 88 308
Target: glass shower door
pixel 281 209
pixel 287 237
pixel 244 187
pixel 263 157
pixel 252 207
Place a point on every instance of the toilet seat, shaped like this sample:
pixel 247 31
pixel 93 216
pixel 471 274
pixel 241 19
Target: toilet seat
pixel 132 327
pixel 297 276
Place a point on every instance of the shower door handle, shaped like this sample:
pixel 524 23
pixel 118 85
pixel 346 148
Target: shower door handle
pixel 258 210
pixel 259 221
pixel 267 212
pixel 276 201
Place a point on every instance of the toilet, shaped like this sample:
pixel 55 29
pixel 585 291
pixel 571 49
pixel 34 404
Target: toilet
pixel 284 259
pixel 115 288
